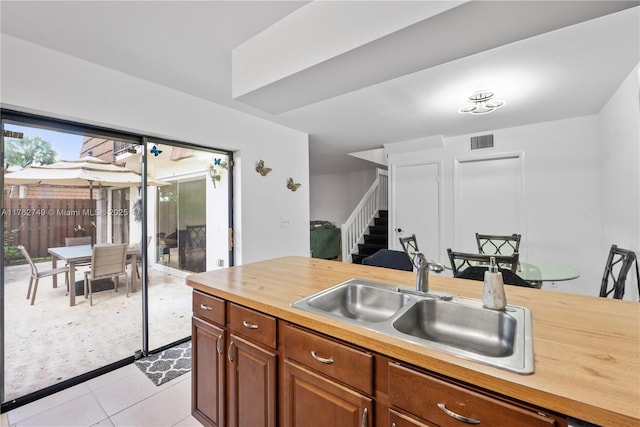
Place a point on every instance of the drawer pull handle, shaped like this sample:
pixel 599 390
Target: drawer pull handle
pixel 219 345
pixel 249 325
pixel 206 307
pixel 457 416
pixel 230 352
pixel 328 361
pixel 364 417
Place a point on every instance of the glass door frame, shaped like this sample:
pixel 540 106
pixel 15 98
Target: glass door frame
pixel 27 119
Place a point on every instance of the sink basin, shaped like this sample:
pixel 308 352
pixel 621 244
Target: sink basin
pixel 357 300
pixel 486 332
pixel 454 325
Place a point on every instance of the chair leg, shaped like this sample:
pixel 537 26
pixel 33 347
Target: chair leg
pixel 35 289
pixel 30 285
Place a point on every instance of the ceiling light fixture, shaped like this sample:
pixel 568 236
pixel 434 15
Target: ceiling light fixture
pixel 482 102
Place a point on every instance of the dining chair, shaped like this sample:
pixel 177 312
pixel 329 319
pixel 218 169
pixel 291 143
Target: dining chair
pixel 498 245
pixel 410 247
pixel 108 261
pixel 78 241
pixel 36 275
pixel 616 270
pixel 388 258
pixel 461 261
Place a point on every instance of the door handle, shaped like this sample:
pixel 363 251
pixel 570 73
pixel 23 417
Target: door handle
pixel 399 230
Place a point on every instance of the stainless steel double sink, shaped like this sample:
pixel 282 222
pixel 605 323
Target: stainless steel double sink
pixel 455 325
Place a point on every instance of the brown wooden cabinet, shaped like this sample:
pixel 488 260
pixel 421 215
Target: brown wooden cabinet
pixel 208 361
pixel 313 400
pixel 252 384
pixel 324 382
pixel 443 403
pixel 251 369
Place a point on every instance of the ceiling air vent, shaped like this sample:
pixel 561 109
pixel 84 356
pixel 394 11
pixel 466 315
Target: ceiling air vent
pixel 482 141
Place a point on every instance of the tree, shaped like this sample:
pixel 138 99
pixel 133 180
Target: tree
pixel 23 152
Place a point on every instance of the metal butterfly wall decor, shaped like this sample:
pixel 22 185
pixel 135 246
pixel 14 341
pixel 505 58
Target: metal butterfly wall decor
pixel 261 169
pixel 155 151
pixel 292 185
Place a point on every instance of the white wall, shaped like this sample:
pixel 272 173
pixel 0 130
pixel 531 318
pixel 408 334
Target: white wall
pixel 563 195
pixel 38 80
pixel 334 196
pixel 619 134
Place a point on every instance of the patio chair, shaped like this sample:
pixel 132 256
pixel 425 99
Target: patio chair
pixel 107 262
pixel 37 275
pixel 77 241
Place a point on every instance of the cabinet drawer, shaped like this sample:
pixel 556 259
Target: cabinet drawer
pixel 346 364
pixel 253 325
pixel 430 398
pixel 208 307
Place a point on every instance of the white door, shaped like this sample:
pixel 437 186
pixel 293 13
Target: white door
pixel 489 199
pixel 416 207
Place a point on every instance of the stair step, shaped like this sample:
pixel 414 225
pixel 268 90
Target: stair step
pixel 383 213
pixel 376 239
pixel 378 229
pixel 366 249
pixel 381 221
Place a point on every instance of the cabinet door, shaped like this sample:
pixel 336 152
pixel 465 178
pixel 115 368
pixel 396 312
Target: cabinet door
pixel 208 380
pixel 252 384
pixel 399 420
pixel 312 400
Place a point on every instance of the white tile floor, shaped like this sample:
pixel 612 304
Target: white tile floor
pixel 125 397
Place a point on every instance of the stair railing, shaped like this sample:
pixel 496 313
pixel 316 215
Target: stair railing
pixel 356 225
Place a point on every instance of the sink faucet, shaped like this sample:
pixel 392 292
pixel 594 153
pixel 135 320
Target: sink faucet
pixel 424 266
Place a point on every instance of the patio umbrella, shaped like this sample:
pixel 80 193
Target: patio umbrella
pixel 84 172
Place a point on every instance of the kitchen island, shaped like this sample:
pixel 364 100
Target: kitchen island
pixel 587 349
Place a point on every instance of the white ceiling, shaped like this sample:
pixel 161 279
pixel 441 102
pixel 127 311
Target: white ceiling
pixel 404 80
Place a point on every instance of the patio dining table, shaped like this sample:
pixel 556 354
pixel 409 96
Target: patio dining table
pixel 82 253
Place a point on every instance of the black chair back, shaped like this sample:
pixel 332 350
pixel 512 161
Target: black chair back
pixel 461 261
pixel 616 270
pixel 498 245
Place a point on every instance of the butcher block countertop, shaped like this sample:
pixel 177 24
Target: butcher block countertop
pixel 587 349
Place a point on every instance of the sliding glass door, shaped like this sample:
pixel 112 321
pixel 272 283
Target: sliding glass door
pixel 66 183
pixel 189 219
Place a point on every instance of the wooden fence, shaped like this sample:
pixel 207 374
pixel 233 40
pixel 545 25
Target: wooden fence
pixel 39 224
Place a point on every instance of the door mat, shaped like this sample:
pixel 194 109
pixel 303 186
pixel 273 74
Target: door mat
pixel 97 286
pixel 168 364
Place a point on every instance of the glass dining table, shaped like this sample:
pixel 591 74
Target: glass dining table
pixel 73 255
pixel 545 271
pixel 536 271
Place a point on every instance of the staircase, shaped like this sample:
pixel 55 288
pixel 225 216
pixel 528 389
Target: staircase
pixel 376 238
pixel 365 231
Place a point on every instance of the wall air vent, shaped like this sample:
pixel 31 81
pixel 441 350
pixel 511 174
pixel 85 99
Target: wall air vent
pixel 482 141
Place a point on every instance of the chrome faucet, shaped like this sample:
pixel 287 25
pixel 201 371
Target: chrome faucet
pixel 424 266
